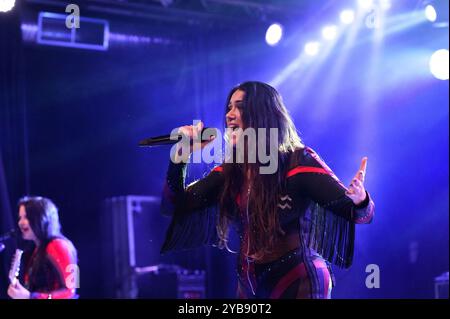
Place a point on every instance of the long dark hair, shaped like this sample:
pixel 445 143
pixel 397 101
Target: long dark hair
pixel 262 108
pixel 42 215
pixel 43 218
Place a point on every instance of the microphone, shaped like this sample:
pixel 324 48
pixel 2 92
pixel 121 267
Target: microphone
pixel 8 235
pixel 5 237
pixel 165 139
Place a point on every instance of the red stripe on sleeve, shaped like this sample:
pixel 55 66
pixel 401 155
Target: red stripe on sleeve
pixel 306 169
pixel 217 169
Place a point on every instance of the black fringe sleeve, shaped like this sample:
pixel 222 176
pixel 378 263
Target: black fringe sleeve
pixel 329 222
pixel 193 208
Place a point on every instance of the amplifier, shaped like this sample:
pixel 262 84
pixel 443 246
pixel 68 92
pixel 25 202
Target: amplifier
pixel 441 286
pixel 133 231
pixel 170 282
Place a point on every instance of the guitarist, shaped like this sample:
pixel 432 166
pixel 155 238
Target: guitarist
pixel 51 272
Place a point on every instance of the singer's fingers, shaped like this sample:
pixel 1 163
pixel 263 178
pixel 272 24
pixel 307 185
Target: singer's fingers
pixel 18 284
pixel 195 132
pixel 357 182
pixel 185 130
pixel 197 129
pixel 362 170
pixel 363 164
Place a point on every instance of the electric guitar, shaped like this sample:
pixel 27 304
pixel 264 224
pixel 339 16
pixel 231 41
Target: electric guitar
pixel 15 267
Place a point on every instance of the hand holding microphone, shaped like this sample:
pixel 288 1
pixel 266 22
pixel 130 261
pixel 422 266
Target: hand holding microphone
pixel 189 138
pixel 177 136
pixel 193 133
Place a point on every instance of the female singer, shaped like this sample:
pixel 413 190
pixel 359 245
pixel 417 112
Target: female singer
pixel 292 224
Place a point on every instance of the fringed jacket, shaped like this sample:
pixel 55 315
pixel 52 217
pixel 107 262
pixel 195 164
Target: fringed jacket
pixel 315 206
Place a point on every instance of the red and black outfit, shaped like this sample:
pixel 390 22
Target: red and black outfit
pixel 314 207
pixel 52 273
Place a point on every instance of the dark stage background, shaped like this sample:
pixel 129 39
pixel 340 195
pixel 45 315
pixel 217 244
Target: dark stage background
pixel 70 120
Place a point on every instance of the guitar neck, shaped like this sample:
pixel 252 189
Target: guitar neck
pixel 15 266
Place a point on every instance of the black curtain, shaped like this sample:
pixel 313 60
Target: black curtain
pixel 13 172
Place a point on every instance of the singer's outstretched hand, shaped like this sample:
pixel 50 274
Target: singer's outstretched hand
pixel 193 132
pixel 356 190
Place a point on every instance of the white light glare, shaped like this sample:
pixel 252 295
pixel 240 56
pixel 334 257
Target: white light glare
pixel 365 4
pixel 385 4
pixel 6 5
pixel 439 64
pixel 312 48
pixel 430 13
pixel 274 34
pixel 347 16
pixel 329 32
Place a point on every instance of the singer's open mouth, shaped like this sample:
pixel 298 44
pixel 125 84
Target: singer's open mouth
pixel 233 126
pixel 24 229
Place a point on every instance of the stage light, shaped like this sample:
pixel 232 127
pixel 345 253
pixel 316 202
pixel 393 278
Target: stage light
pixel 347 16
pixel 312 48
pixel 6 5
pixel 365 4
pixel 439 64
pixel 329 32
pixel 430 13
pixel 436 11
pixel 274 34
